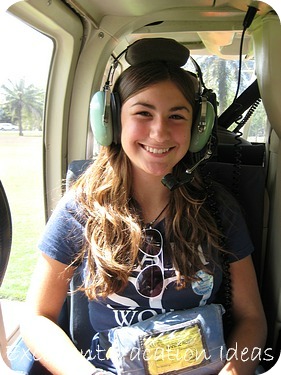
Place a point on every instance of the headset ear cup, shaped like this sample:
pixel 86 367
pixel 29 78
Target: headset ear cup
pixel 202 128
pixel 103 132
pixel 115 104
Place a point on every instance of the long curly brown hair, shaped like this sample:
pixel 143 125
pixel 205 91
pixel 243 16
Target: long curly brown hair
pixel 113 219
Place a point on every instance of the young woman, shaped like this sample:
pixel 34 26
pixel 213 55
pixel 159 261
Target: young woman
pixel 103 224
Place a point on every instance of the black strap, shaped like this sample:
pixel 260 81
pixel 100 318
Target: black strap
pixel 239 106
pixel 103 340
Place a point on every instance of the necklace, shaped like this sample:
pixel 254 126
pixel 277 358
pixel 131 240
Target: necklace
pixel 149 225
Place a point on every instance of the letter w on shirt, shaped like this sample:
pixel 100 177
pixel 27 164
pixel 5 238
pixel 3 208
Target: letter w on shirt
pixel 124 317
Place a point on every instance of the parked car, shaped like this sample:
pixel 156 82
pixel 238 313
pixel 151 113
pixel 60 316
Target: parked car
pixel 8 126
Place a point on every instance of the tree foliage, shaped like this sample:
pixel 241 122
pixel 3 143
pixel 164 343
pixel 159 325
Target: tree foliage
pixel 23 104
pixel 221 76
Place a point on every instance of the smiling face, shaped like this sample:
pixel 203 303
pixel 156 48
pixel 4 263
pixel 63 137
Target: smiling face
pixel 156 128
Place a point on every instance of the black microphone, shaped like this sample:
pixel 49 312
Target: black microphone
pixel 172 182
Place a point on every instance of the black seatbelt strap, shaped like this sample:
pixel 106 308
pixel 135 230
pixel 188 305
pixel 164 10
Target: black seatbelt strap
pixel 239 106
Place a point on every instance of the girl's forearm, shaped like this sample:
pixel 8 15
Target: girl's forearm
pixel 52 347
pixel 245 347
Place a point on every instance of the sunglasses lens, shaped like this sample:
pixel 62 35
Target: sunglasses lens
pixel 152 242
pixel 149 283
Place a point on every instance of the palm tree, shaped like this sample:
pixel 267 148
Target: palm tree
pixel 23 102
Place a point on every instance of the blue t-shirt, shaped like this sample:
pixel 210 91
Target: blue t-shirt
pixel 64 237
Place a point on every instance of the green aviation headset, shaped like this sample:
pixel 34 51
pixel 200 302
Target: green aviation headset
pixel 105 107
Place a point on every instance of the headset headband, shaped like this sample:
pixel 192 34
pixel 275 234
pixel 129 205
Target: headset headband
pixel 155 49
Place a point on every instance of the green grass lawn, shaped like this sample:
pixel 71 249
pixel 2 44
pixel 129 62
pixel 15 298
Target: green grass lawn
pixel 21 176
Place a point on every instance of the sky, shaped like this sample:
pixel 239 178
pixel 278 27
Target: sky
pixel 25 53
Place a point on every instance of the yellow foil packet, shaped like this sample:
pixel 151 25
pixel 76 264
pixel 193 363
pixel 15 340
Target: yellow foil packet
pixel 174 350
